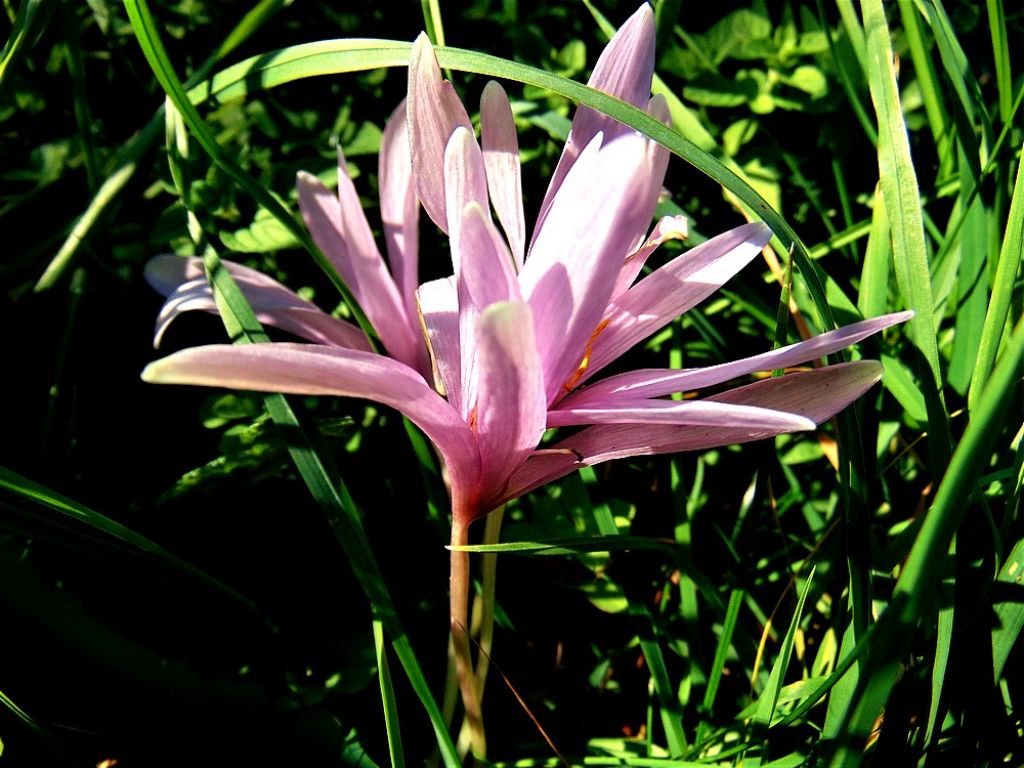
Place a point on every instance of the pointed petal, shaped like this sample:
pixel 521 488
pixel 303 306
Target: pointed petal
pixel 339 227
pixel 817 394
pixel 671 290
pixel 313 370
pixel 667 228
pixel 484 277
pixel 184 282
pixel 691 413
pixel 501 159
pixel 439 314
pixel 624 70
pixel 657 383
pixel 399 209
pixel 510 405
pixel 465 182
pixel 435 111
pixel 568 277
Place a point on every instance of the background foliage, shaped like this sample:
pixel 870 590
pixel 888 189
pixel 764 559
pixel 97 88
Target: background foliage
pixel 169 590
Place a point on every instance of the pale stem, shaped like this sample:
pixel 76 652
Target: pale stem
pixel 483 611
pixel 459 612
pixel 486 600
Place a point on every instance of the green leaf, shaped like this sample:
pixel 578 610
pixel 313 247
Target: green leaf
pixel 265 234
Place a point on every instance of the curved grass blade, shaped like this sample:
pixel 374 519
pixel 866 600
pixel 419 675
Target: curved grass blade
pixel 29 489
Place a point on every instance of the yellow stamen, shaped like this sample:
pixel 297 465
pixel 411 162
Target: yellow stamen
pixel 588 349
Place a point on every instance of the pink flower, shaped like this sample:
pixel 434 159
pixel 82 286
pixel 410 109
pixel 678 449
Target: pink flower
pixel 517 331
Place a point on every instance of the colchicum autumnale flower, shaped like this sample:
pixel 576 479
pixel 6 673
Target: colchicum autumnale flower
pixel 518 331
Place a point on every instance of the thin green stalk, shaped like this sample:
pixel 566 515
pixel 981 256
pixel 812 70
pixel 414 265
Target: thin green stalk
pixel 387 694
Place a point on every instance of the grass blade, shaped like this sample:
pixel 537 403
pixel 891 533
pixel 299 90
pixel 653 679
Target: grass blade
pixel 902 199
pixel 1010 257
pixel 387 694
pixel 769 697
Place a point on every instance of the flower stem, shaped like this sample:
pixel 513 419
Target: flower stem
pixel 460 638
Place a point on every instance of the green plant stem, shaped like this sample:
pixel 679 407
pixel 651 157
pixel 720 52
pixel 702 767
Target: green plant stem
pixel 459 609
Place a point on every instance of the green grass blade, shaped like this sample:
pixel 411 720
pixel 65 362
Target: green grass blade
pixel 971 289
pixel 841 59
pixel 927 81
pixel 29 22
pixel 29 489
pixel 1001 57
pixel 432 21
pixel 968 109
pixel 769 698
pixel 940 670
pixel 387 694
pixel 1009 613
pixel 873 297
pixel 722 651
pixel 1010 257
pixel 922 569
pixel 902 198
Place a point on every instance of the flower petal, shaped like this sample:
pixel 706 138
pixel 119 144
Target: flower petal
pixel 817 394
pixel 435 111
pixel 501 159
pixel 671 290
pixel 465 182
pixel 667 228
pixel 624 70
pixel 339 227
pixel 438 302
pixel 184 282
pixel 510 405
pixel 399 209
pixel 304 369
pixel 691 413
pixel 568 277
pixel 484 276
pixel 627 387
